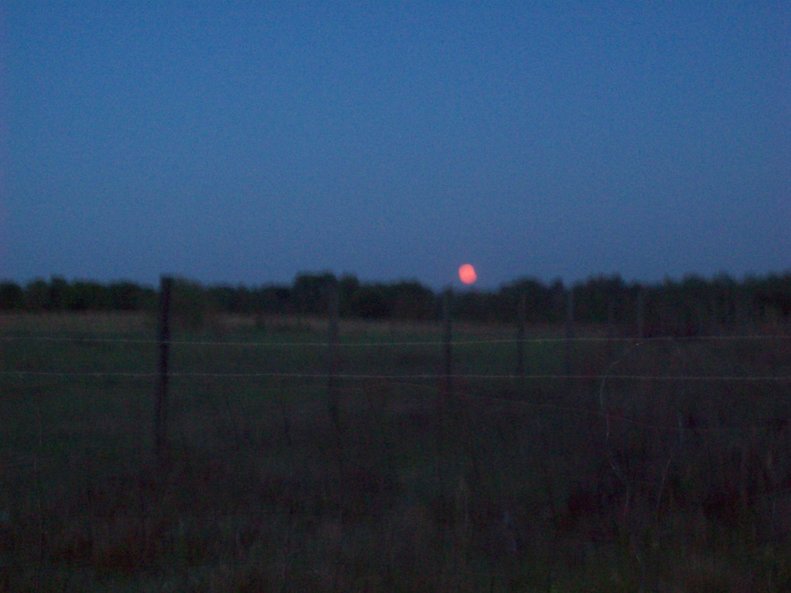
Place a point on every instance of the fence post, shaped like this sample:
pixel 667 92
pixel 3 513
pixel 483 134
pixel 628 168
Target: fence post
pixel 611 333
pixel 333 307
pixel 569 330
pixel 163 338
pixel 520 338
pixel 446 343
pixel 641 313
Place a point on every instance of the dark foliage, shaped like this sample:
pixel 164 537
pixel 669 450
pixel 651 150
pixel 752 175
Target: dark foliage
pixel 690 307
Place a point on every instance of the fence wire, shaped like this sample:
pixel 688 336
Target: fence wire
pixel 631 341
pixel 393 344
pixel 396 377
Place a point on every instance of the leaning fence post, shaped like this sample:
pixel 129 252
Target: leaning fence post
pixel 163 339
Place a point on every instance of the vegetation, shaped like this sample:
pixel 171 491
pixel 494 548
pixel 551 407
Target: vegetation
pixel 693 306
pixel 603 483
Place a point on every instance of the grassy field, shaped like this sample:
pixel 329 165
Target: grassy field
pixel 604 482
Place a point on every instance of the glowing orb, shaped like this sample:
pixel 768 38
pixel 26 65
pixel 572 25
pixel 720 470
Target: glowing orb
pixel 467 274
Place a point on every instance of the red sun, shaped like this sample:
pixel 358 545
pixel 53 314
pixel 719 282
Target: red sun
pixel 467 274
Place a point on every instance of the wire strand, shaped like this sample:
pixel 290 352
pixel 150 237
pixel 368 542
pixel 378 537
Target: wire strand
pixel 324 344
pixel 396 377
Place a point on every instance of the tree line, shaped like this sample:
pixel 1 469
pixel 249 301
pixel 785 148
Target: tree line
pixel 691 306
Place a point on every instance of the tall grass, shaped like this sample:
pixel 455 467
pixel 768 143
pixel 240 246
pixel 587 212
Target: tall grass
pixel 543 485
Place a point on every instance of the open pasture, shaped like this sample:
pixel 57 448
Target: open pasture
pixel 659 465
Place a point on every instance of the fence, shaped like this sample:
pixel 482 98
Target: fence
pixel 444 374
pixel 612 432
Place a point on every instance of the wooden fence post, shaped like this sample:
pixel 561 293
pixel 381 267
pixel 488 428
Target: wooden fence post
pixel 611 333
pixel 520 338
pixel 163 338
pixel 641 313
pixel 446 343
pixel 569 330
pixel 333 311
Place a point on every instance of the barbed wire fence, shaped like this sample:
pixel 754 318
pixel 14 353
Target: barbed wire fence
pixel 449 377
pixel 446 376
pixel 446 347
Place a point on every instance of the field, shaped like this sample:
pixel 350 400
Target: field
pixel 661 465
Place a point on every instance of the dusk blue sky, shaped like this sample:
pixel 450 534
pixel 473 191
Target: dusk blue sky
pixel 244 142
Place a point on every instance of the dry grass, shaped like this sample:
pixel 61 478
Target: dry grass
pixel 550 486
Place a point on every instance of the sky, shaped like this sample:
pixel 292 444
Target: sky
pixel 246 142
